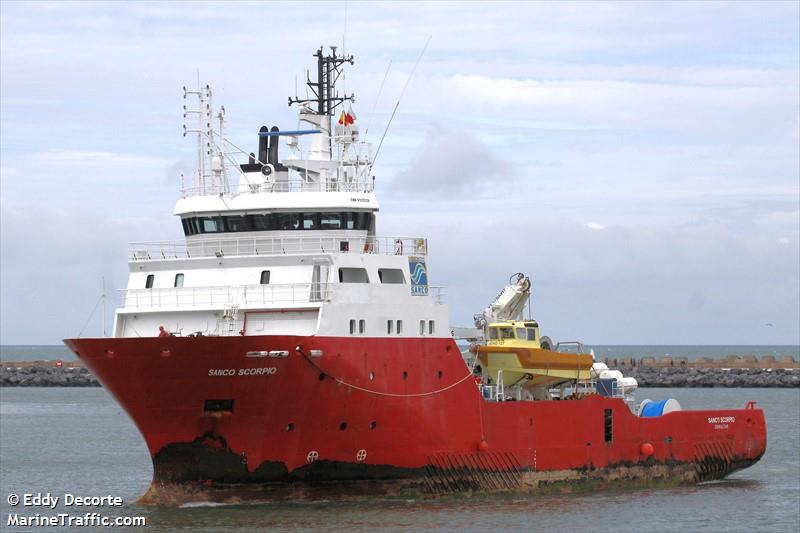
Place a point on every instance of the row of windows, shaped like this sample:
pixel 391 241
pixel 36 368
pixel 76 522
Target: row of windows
pixel 277 221
pixel 148 284
pixel 346 275
pixel 392 327
pixel 525 334
pixel 359 275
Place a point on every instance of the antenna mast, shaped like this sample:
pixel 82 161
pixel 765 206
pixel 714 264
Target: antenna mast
pixel 204 130
pixel 324 89
pixel 103 296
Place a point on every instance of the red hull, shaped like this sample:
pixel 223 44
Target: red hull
pixel 420 422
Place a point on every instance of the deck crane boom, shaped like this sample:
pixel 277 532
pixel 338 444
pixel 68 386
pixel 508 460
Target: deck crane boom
pixel 508 305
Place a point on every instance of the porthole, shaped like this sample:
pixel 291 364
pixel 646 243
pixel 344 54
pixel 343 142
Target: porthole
pixel 342 426
pixel 405 375
pixel 371 376
pixel 373 425
pixel 440 374
pixel 289 426
pixel 322 376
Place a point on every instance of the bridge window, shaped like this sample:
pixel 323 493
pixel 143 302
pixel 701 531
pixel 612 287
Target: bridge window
pixel 211 224
pixel 352 327
pixel 422 327
pixel 355 221
pixel 179 280
pixel 265 277
pixel 389 327
pixel 522 334
pixel 391 275
pixel 506 333
pixel 148 284
pixel 353 275
pixel 277 221
pixel 493 334
pixel 431 327
pixel 330 221
pixel 262 222
pixel 362 326
pixel 239 223
pixel 399 327
pixel 531 334
pixel 311 221
pixel 287 221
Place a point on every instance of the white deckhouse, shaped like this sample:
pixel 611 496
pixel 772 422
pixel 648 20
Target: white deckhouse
pixel 292 248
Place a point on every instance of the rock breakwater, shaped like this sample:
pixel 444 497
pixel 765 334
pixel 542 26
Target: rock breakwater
pixel 674 373
pixel 45 374
pixel 714 377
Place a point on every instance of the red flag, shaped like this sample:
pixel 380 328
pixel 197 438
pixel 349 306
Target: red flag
pixel 350 117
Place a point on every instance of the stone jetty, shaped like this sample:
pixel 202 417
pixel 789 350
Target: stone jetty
pixel 45 374
pixel 714 377
pixel 730 371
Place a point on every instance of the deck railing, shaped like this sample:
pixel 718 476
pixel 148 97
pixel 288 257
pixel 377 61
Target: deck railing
pixel 329 243
pixel 242 296
pixel 225 296
pixel 282 186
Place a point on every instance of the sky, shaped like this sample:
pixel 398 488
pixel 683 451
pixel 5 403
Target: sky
pixel 640 161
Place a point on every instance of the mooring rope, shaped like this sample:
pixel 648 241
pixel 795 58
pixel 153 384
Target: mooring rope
pixel 380 393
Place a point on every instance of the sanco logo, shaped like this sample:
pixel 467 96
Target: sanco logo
pixel 419 276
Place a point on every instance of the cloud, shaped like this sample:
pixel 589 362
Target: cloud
pixel 452 161
pixel 674 126
pixel 595 225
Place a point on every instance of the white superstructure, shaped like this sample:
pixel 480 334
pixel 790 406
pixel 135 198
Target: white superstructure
pixel 291 248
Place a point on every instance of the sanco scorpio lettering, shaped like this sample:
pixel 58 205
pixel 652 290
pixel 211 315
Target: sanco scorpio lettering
pixel 259 371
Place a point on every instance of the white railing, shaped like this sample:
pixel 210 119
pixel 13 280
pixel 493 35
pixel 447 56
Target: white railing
pixel 438 294
pixel 226 296
pixel 281 186
pixel 329 243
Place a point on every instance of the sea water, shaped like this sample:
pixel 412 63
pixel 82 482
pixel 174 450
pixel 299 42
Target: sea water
pixel 79 441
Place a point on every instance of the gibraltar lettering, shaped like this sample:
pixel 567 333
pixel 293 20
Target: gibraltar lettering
pixel 260 371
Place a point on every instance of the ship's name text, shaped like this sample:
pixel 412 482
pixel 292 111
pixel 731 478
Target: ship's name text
pixel 721 422
pixel 260 371
pixel 721 419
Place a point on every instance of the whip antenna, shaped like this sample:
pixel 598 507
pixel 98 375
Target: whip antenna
pixel 411 75
pixel 378 96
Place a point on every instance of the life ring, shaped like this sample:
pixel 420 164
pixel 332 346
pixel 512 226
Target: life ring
pixel 398 247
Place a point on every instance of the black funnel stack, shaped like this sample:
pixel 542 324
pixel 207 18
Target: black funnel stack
pixel 263 145
pixel 272 158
